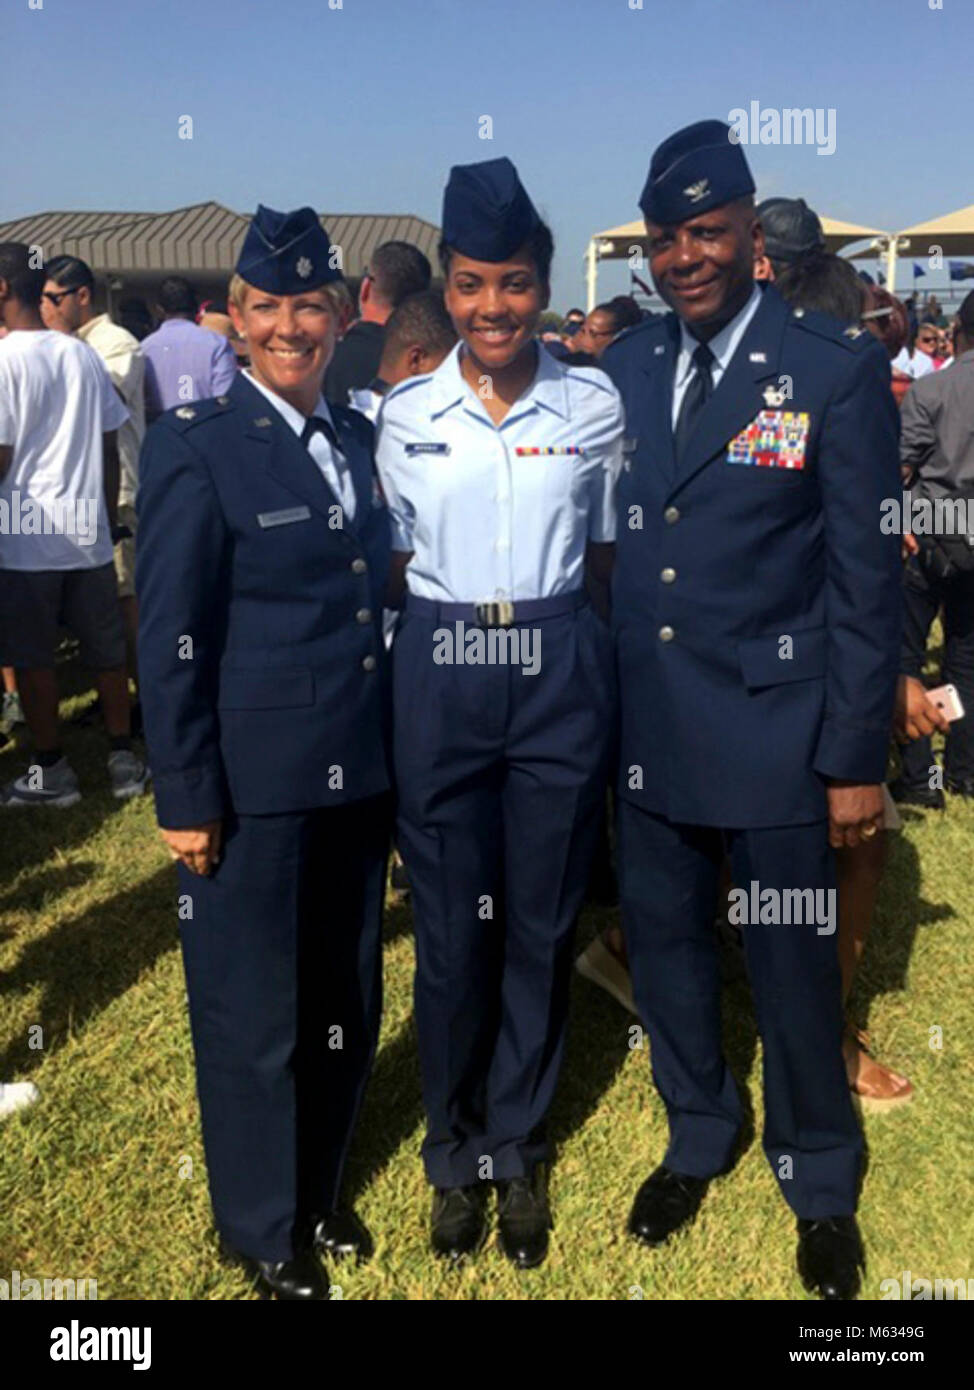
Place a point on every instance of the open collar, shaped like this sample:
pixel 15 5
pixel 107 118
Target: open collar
pixel 548 390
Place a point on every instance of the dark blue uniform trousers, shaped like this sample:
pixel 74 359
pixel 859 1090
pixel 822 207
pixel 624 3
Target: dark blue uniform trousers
pixel 283 950
pixel 669 878
pixel 501 777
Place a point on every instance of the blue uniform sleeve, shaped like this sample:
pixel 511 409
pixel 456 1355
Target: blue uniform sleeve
pixel 858 461
pixel 388 452
pixel 181 567
pixel 606 449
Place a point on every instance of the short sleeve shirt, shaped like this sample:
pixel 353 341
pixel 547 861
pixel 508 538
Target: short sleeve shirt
pixel 122 356
pixel 56 402
pixel 500 511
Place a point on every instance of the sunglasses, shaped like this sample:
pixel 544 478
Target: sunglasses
pixel 55 298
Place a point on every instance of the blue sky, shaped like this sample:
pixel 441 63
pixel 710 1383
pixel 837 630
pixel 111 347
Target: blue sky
pixel 364 108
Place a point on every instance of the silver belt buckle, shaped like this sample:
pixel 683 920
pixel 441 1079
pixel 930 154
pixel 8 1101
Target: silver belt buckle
pixel 499 613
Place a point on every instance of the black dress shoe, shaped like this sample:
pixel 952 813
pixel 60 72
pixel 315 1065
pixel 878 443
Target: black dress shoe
pixel 910 794
pixel 340 1234
pixel 524 1220
pixel 665 1202
pixel 299 1279
pixel 458 1221
pixel 830 1256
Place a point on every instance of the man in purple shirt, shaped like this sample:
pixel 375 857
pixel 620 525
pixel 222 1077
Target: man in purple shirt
pixel 183 362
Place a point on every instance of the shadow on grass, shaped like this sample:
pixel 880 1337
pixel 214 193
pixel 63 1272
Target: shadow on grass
pixel 83 964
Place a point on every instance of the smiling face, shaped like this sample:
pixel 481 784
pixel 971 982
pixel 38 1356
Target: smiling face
pixel 290 338
pixel 495 307
pixel 704 268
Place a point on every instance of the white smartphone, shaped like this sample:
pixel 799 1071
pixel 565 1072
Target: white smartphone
pixel 947 700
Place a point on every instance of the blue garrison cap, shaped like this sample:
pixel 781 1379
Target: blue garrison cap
pixel 487 213
pixel 699 168
pixel 286 252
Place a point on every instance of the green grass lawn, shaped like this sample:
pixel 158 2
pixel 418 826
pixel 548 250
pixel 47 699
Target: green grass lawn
pixel 94 1180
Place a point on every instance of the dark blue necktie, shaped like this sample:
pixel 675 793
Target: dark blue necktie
pixel 312 425
pixel 699 390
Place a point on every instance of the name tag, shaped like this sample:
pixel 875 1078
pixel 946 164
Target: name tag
pixel 285 517
pixel 425 448
pixel 773 439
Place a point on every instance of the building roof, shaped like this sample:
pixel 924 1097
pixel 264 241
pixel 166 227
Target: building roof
pixel 203 238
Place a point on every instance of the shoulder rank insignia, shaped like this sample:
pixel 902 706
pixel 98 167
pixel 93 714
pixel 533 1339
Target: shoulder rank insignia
pixel 223 400
pixel 263 422
pixel 853 332
pixel 185 412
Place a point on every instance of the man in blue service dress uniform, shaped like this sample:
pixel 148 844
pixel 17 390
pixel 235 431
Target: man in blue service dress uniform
pixel 263 557
pixel 757 614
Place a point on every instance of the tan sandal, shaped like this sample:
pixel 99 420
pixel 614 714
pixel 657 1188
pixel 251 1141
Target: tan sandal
pixel 876 1087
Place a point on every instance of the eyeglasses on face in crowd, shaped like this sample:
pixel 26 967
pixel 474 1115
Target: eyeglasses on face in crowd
pixel 55 298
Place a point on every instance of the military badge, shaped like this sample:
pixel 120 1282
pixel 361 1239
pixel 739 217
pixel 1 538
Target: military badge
pixel 698 190
pixel 774 439
pixel 525 452
pixel 185 412
pixel 304 267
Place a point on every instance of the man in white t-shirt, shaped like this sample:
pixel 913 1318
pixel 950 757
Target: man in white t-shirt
pixel 67 306
pixel 59 480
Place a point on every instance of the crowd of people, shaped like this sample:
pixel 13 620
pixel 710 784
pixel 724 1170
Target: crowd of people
pixel 680 644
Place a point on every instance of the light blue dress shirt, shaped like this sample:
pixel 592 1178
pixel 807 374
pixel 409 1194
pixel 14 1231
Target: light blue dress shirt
pixel 331 462
pixel 723 345
pixel 482 520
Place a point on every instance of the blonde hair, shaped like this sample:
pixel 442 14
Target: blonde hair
pixel 336 292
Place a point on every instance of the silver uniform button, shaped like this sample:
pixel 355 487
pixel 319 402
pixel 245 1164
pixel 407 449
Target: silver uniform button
pixel 671 515
pixel 666 633
pixel 363 616
pixel 668 575
pixel 358 565
pixel 368 663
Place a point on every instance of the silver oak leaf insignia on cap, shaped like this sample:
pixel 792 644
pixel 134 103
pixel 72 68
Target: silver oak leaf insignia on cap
pixel 304 267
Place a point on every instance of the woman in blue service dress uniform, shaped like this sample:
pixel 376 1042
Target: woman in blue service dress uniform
pixel 263 558
pixel 498 469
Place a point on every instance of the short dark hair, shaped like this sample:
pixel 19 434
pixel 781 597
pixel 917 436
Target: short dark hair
pixel 965 315
pixel 71 273
pixel 177 296
pixel 540 244
pixel 26 283
pixel 422 319
pixel 627 312
pixel 825 284
pixel 575 311
pixel 399 269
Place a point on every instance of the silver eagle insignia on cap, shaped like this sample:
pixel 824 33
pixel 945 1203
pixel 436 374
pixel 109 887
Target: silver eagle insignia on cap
pixel 697 190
